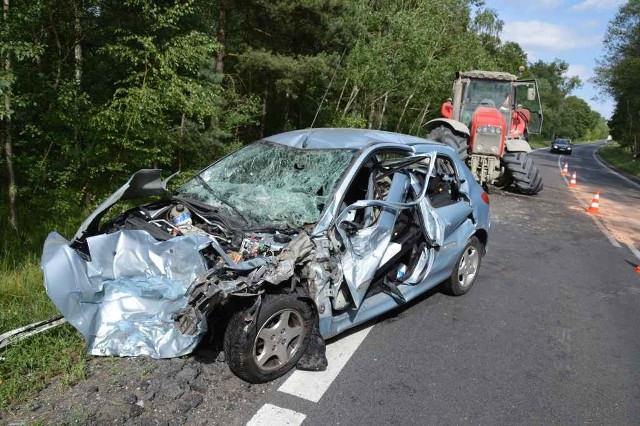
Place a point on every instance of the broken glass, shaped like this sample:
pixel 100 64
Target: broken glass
pixel 272 184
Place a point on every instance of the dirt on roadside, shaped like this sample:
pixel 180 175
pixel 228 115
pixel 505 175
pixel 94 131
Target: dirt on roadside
pixel 196 390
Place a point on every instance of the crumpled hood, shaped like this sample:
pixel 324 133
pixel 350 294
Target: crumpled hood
pixel 123 300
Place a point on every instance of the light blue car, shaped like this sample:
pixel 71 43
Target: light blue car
pixel 288 241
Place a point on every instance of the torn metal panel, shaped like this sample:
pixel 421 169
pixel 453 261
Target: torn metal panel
pixel 246 278
pixel 123 299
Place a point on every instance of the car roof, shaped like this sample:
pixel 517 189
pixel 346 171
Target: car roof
pixel 343 138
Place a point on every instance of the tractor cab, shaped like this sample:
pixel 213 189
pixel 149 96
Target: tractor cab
pixel 488 93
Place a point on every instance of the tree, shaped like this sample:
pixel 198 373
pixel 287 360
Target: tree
pixel 618 70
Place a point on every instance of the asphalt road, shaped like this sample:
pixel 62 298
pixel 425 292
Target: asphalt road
pixel 549 334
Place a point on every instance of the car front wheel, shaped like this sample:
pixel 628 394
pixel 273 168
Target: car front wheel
pixel 266 348
pixel 466 269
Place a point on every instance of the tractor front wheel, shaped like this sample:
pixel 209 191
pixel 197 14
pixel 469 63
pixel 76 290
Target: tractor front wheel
pixel 446 136
pixel 524 172
pixel 504 180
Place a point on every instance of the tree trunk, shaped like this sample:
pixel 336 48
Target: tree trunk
pixel 384 108
pixel 263 124
pixel 406 104
pixel 424 114
pixel 221 36
pixel 6 121
pixel 344 86
pixel 372 112
pixel 354 93
pixel 77 48
pixel 77 63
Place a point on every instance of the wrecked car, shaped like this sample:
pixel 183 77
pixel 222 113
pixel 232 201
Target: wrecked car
pixel 284 243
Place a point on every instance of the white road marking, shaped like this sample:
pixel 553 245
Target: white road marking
pixel 272 415
pixel 634 250
pixel 599 224
pixel 597 221
pixel 311 385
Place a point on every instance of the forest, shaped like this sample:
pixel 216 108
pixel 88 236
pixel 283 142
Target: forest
pixel 93 90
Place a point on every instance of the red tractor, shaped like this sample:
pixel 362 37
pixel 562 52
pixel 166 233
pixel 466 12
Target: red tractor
pixel 488 123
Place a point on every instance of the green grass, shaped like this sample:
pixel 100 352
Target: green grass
pixel 538 144
pixel 620 157
pixel 28 364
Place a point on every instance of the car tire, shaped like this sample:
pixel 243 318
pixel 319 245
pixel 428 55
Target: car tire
pixel 284 322
pixel 446 136
pixel 526 175
pixel 466 269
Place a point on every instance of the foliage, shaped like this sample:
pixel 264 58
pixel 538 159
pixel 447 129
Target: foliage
pixel 618 71
pixel 621 157
pixel 564 115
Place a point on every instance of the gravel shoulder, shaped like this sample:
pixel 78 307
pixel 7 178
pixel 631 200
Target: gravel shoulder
pixel 197 390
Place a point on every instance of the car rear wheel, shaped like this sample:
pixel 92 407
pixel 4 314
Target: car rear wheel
pixel 268 347
pixel 466 270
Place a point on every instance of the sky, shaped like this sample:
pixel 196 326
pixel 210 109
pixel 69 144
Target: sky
pixel 564 29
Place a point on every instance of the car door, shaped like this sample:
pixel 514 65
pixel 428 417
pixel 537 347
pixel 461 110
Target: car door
pixel 366 226
pixel 451 204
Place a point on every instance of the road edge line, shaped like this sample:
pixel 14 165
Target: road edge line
pixel 602 163
pixel 312 385
pixel 597 221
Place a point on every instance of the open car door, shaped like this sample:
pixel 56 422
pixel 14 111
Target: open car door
pixel 372 229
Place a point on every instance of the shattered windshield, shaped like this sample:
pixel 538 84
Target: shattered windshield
pixel 266 183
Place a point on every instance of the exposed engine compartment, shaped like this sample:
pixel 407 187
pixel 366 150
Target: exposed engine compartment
pixel 168 219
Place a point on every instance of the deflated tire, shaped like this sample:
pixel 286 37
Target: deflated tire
pixel 266 346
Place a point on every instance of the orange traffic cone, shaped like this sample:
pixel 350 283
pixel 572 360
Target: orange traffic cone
pixel 573 183
pixel 595 203
pixel 638 269
pixel 565 169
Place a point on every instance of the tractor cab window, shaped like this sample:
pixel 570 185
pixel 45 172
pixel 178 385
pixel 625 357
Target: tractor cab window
pixel 444 186
pixel 491 93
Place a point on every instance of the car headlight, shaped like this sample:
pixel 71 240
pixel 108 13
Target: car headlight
pixel 555 147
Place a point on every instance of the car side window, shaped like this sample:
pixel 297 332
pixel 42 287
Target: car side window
pixel 444 185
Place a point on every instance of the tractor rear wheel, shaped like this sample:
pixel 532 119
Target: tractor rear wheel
pixel 524 172
pixel 446 136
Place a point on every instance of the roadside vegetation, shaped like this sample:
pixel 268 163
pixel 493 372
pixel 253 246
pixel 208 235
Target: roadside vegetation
pixel 620 157
pixel 93 91
pixel 617 75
